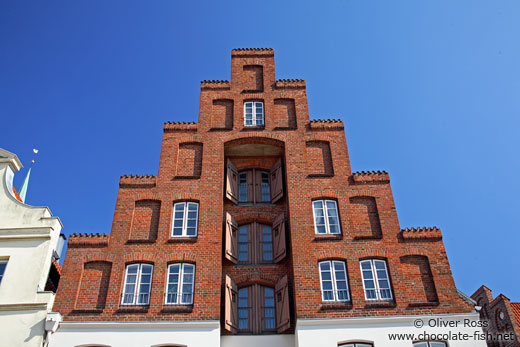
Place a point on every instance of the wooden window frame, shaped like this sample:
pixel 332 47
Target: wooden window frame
pixel 326 216
pixel 255 243
pixel 335 291
pixel 137 289
pixel 254 181
pixel 375 278
pixel 256 301
pixel 180 284
pixel 185 211
pixel 257 118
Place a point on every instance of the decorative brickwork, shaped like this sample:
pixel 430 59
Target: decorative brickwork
pixel 302 160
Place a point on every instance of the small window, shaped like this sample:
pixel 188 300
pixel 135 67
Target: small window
pixel 429 344
pixel 180 286
pixel 333 278
pixel 356 344
pixel 253 113
pixel 185 218
pixel 138 282
pixel 375 280
pixel 3 265
pixel 255 244
pixel 254 186
pixel 326 218
pixel 256 309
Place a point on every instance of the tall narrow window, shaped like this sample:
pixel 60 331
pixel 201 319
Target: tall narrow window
pixel 375 280
pixel 3 265
pixel 138 282
pixel 333 277
pixel 180 286
pixel 255 244
pixel 253 113
pixel 256 309
pixel 185 216
pixel 430 344
pixel 326 218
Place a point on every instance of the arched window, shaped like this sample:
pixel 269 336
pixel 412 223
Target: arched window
pixel 180 285
pixel 138 283
pixel 430 344
pixel 256 309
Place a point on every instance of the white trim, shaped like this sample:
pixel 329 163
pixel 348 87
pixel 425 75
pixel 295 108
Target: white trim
pixel 136 293
pixel 254 115
pixel 326 217
pixel 333 279
pixel 184 231
pixel 180 284
pixel 375 279
pixel 154 325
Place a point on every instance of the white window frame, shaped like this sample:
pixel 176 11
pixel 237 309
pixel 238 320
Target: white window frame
pixel 255 117
pixel 429 344
pixel 5 268
pixel 136 293
pixel 356 344
pixel 326 217
pixel 180 284
pixel 334 282
pixel 375 279
pixel 184 232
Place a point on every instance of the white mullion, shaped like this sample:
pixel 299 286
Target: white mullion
pixel 334 283
pixel 179 288
pixel 326 215
pixel 138 283
pixel 185 219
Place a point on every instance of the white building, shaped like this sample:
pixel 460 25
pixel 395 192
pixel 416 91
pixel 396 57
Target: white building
pixel 29 238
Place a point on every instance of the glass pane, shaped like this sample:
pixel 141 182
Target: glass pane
pixel 379 264
pixel 369 284
pixel 366 265
pixel 179 206
pixel 371 294
pixel 327 285
pixel 191 231
pixel 325 276
pixel 328 295
pixel 423 344
pixel 146 269
pixel 132 269
pixel 367 275
pixel 131 279
pixel 437 344
pixel 266 187
pixel 242 187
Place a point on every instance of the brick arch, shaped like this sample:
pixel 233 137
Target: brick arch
pixel 249 217
pixel 331 254
pixel 147 196
pixel 244 280
pixel 98 256
pixel 319 137
pixel 184 257
pixel 325 194
pixel 267 139
pixel 373 253
pixel 139 257
pixel 410 251
pixel 178 197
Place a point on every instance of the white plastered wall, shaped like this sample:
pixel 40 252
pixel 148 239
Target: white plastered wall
pixel 328 332
pixel 28 237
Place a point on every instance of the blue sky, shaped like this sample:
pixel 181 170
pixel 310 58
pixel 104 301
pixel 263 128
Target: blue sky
pixel 428 90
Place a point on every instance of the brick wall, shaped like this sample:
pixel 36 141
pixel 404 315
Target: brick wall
pixel 316 165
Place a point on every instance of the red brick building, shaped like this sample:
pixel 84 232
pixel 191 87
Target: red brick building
pixel 256 231
pixel 502 315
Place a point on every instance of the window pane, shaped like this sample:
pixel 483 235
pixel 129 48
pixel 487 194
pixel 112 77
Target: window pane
pixel 267 243
pixel 366 265
pixel 422 344
pixel 242 187
pixel 243 308
pixel 437 344
pixel 243 243
pixel 269 310
pixel 266 187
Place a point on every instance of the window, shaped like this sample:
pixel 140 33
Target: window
pixel 326 219
pixel 138 282
pixel 375 280
pixel 255 244
pixel 429 344
pixel 333 279
pixel 355 344
pixel 180 286
pixel 256 309
pixel 185 216
pixel 3 265
pixel 254 186
pixel 253 113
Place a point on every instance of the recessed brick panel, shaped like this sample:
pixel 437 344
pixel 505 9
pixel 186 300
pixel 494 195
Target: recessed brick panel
pixel 222 114
pixel 319 159
pixel 93 289
pixel 145 221
pixel 366 224
pixel 418 274
pixel 253 78
pixel 285 113
pixel 189 160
